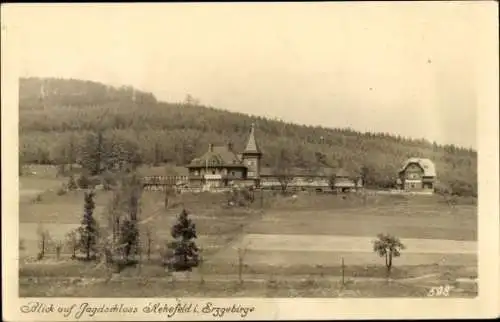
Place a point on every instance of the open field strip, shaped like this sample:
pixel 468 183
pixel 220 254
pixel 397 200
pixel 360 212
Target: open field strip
pixel 31 187
pixel 323 243
pixel 296 250
pixel 421 222
pixel 27 193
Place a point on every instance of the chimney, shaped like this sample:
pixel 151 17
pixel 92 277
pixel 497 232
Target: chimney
pixel 230 146
pixel 210 147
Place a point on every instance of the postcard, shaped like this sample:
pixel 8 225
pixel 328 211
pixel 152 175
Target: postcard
pixel 250 161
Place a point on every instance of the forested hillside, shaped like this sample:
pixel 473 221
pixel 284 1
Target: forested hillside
pixel 62 121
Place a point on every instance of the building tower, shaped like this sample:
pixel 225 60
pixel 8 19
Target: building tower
pixel 252 156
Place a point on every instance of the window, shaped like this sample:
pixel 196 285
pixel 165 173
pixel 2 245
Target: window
pixel 213 171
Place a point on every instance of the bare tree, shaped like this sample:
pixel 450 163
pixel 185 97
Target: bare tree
pixel 332 181
pixel 282 170
pixel 149 239
pixel 123 215
pixel 58 245
pixel 242 251
pixel 169 192
pixel 201 270
pixel 284 177
pixel 43 239
pixel 72 238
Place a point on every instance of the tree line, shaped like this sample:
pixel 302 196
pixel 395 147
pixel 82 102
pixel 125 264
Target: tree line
pixel 73 121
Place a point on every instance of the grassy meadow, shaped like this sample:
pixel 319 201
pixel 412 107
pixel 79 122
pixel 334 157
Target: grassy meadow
pixel 277 247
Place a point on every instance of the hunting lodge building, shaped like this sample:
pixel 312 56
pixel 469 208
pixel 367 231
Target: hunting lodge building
pixel 221 168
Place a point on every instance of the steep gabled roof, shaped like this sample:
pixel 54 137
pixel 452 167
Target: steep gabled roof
pixel 252 146
pixel 217 155
pixel 426 164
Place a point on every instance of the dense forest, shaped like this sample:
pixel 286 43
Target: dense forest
pixel 65 121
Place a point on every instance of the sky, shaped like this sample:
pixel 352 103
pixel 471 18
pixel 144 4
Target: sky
pixel 411 69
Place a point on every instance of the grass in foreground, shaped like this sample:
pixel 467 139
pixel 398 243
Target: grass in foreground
pixel 153 269
pixel 269 288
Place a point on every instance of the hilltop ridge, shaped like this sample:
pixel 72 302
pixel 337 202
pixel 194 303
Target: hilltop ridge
pixel 58 116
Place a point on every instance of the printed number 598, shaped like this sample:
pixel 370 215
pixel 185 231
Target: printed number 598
pixel 439 291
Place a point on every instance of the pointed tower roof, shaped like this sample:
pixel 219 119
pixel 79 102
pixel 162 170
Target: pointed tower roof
pixel 252 146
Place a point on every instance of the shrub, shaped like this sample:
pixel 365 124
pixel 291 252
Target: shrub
pixel 72 183
pixel 22 245
pixel 38 198
pixel 169 193
pixel 108 181
pixel 83 181
pixel 239 197
pixel 442 189
pixel 463 188
pixel 61 191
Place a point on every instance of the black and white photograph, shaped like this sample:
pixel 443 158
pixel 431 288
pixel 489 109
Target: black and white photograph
pixel 264 152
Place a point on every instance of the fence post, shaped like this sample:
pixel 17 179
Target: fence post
pixel 343 272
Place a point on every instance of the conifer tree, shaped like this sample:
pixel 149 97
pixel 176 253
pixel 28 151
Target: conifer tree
pixel 184 247
pixel 88 230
